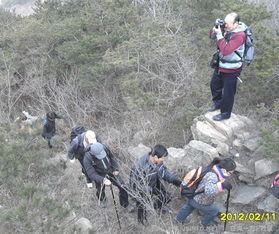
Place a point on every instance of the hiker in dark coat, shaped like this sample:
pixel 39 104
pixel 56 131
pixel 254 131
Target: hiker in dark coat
pixel 145 181
pixel 78 147
pixel 102 168
pixel 211 184
pixel 49 126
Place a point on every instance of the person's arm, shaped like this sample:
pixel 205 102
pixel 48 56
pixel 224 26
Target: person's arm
pixel 166 175
pixel 57 116
pixel 236 41
pixel 90 170
pixel 72 149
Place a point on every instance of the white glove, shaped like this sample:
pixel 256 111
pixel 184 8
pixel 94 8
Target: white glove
pixel 107 182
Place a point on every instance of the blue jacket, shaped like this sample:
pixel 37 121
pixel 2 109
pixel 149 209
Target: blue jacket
pixel 49 127
pixel 145 174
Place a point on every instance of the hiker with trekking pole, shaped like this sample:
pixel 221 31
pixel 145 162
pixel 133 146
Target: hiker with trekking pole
pixel 102 168
pixel 211 180
pixel 80 141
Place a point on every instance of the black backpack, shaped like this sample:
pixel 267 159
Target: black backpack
pixel 77 130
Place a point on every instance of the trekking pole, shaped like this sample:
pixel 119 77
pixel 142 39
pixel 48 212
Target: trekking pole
pixel 227 208
pixel 116 211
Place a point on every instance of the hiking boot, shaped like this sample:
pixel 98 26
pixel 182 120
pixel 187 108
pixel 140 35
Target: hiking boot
pixel 165 210
pixel 103 204
pixel 219 117
pixel 213 108
pixel 130 208
pixel 89 185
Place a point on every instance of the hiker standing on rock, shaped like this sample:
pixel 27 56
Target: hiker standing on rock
pixel 49 126
pixel 78 147
pixel 211 184
pixel 231 38
pixel 102 168
pixel 145 181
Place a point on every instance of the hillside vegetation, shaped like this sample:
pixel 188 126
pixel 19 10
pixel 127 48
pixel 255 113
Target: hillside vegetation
pixel 128 65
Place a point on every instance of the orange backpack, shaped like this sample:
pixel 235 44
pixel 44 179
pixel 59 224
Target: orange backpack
pixel 191 181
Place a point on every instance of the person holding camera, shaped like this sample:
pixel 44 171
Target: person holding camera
pixel 231 37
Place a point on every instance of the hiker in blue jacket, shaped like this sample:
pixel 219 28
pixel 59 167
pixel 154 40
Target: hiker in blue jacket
pixel 49 126
pixel 145 181
pixel 212 183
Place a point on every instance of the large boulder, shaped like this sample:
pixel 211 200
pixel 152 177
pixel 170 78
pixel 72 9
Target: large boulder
pixel 138 151
pixel 265 167
pixel 204 131
pixel 247 194
pixel 269 204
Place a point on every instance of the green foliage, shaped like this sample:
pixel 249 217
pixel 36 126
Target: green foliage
pixel 270 134
pixel 23 167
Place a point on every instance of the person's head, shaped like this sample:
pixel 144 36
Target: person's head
pixel 50 116
pixel 232 21
pixel 227 166
pixel 98 150
pixel 158 153
pixel 90 137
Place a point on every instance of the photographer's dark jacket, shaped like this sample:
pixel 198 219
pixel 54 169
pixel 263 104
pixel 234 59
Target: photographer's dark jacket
pixel 145 174
pixel 49 127
pixel 97 169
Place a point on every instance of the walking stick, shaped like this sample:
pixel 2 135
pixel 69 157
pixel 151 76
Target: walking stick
pixel 227 209
pixel 116 211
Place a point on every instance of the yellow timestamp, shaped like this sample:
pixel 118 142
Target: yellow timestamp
pixel 250 216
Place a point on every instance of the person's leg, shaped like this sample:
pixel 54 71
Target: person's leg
pixel 162 196
pixel 230 84
pixel 88 180
pixel 209 212
pixel 216 87
pixel 123 195
pixel 48 142
pixel 184 211
pixel 100 191
pixel 141 212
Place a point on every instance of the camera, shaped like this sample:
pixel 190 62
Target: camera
pixel 220 23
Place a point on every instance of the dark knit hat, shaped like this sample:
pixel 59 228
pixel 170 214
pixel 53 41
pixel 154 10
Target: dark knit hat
pixel 227 163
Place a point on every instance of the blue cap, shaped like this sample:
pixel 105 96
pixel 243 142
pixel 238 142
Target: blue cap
pixel 98 150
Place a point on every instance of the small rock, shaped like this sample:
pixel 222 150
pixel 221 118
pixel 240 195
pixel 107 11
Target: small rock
pixel 84 224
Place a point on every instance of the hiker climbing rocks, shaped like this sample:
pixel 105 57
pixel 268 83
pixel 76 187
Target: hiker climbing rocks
pixel 145 181
pixel 49 126
pixel 212 182
pixel 102 168
pixel 77 149
pixel 231 39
